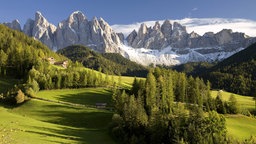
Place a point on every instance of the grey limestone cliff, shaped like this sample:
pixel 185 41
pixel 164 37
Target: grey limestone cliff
pixel 175 35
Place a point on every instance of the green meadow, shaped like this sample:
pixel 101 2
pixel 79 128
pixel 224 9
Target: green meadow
pixel 240 126
pixel 244 102
pixel 38 121
pixel 49 122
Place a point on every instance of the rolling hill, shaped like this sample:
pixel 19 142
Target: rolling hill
pixel 110 63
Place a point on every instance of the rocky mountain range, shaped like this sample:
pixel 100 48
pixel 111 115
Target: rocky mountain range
pixel 168 43
pixel 76 29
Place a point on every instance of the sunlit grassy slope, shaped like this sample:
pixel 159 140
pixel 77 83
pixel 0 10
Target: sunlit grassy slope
pixel 44 122
pixel 85 96
pixel 240 126
pixel 244 102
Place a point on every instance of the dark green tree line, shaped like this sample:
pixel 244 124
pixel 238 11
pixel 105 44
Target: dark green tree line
pixel 166 108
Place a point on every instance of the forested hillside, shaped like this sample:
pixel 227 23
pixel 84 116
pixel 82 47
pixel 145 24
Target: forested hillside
pixel 170 107
pixel 109 63
pixel 18 53
pixel 27 59
pixel 236 73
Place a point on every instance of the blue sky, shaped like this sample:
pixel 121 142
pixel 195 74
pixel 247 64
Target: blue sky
pixel 127 11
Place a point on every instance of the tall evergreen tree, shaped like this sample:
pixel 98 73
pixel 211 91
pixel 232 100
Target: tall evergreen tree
pixel 150 93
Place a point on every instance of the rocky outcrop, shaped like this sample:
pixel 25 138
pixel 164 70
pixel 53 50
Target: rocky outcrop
pixel 96 34
pixel 14 25
pixel 76 29
pixel 175 35
pixel 40 29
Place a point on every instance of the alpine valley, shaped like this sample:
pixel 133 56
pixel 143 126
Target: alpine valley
pixel 165 42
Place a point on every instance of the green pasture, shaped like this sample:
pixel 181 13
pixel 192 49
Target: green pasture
pixel 240 127
pixel 84 96
pixel 244 102
pixel 50 122
pixel 44 122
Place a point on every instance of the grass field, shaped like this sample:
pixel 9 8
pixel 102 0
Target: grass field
pixel 244 102
pixel 126 81
pixel 241 127
pixel 44 122
pixel 86 96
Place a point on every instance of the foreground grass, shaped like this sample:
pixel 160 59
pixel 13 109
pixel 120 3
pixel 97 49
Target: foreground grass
pixel 240 127
pixel 44 122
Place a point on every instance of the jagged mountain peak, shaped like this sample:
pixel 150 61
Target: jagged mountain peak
pixel 194 35
pixel 178 26
pixel 157 26
pixel 77 13
pixel 42 21
pixel 77 16
pixel 38 13
pixel 15 24
pixel 96 33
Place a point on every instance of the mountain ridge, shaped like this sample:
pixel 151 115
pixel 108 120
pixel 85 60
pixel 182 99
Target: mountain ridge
pixel 166 43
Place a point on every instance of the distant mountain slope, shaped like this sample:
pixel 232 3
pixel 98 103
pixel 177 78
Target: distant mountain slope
pixel 236 73
pixel 111 63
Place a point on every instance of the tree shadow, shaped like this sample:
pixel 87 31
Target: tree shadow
pixel 87 98
pixel 83 125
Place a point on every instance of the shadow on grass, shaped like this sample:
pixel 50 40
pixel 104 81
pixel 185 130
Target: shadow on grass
pixel 82 125
pixel 76 136
pixel 87 98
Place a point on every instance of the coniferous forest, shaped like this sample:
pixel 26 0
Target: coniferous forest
pixel 169 107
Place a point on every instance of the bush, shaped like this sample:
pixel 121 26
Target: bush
pixel 20 97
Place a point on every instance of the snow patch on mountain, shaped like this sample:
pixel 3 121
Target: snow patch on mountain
pixel 198 25
pixel 171 56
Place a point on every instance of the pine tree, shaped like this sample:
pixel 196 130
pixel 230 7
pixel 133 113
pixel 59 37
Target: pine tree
pixel 135 87
pixel 233 106
pixel 181 88
pixel 219 103
pixel 3 60
pixel 150 93
pixel 170 93
pixel 162 97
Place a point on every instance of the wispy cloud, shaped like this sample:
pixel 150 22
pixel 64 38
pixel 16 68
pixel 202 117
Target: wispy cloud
pixel 194 9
